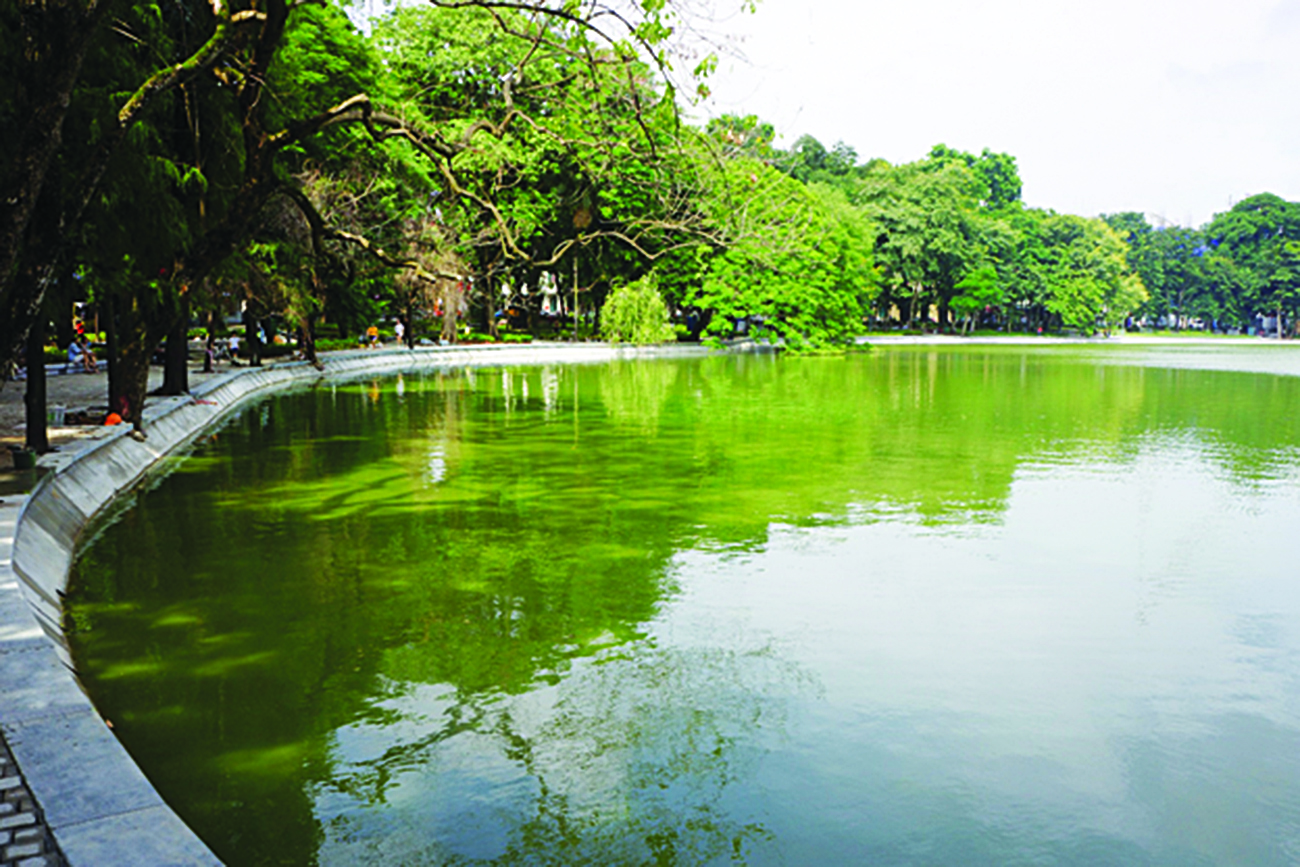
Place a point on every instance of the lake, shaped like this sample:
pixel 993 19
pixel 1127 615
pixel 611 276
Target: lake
pixel 972 605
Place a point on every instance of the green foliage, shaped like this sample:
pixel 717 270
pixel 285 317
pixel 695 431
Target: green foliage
pixel 799 269
pixel 953 236
pixel 550 155
pixel 636 313
pixel 1083 263
pixel 1251 252
pixel 743 136
pixel 999 178
pixel 1243 263
pixel 979 289
pixel 929 234
pixel 809 161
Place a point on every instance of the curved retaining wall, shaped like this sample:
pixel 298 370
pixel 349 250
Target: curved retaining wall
pixel 99 806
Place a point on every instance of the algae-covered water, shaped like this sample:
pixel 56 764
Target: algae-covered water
pixel 916 606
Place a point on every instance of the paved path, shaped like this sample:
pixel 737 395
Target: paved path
pixel 25 840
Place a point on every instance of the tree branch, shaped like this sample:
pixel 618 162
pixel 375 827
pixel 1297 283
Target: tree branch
pixel 321 231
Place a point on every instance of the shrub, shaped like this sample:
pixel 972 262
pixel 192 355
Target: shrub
pixel 636 313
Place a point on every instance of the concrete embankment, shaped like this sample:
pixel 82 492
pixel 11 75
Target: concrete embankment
pixel 83 793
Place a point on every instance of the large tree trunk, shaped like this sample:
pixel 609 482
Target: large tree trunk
pixel 133 367
pixel 38 439
pixel 114 351
pixel 308 347
pixel 176 371
pixel 450 314
pixel 534 317
pixel 916 300
pixel 64 331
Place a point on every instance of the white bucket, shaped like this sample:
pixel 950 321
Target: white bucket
pixel 56 416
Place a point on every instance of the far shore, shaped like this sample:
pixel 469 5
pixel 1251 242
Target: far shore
pixel 1044 339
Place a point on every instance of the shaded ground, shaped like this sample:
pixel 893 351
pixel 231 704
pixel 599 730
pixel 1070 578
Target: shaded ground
pixel 74 392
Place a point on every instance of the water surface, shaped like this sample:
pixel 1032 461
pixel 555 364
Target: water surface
pixel 917 606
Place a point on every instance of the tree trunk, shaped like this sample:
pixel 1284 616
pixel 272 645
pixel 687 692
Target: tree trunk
pixel 533 310
pixel 251 340
pixel 113 349
pixel 64 331
pixel 489 302
pixel 450 314
pixel 38 439
pixel 176 370
pixel 133 366
pixel 308 344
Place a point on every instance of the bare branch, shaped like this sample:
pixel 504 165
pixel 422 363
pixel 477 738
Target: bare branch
pixel 320 232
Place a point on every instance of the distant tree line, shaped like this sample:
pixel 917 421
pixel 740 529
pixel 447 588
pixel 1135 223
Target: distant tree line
pixel 952 243
pixel 500 167
pixel 1239 271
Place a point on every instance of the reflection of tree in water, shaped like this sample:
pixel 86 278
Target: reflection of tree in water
pixel 634 392
pixel 630 760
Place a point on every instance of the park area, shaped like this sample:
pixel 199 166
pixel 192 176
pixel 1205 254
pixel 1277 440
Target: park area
pixel 502 433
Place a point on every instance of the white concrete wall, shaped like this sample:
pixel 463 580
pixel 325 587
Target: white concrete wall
pixel 99 806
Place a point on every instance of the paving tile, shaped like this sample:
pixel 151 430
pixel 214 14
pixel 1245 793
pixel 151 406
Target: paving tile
pixel 154 836
pixel 76 769
pixel 18 628
pixel 21 850
pixel 35 683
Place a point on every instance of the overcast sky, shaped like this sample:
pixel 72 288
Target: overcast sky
pixel 1171 108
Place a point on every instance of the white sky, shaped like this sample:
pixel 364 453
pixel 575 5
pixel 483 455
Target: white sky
pixel 1173 108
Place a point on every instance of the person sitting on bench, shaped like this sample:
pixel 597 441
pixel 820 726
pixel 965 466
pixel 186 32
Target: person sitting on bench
pixel 79 354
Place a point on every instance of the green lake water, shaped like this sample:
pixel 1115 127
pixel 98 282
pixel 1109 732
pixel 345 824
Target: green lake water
pixel 916 606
